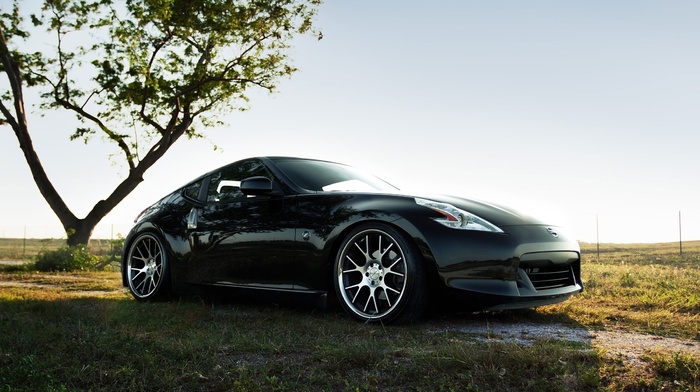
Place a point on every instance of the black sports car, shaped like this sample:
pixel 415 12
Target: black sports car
pixel 317 228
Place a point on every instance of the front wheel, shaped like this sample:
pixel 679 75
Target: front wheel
pixel 379 275
pixel 147 270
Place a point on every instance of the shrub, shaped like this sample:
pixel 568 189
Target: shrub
pixel 117 245
pixel 66 258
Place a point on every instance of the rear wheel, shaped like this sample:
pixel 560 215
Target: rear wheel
pixel 379 275
pixel 147 269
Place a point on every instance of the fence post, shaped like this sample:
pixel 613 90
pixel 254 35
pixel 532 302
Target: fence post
pixel 680 233
pixel 597 239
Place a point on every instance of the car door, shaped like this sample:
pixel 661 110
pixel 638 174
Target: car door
pixel 243 240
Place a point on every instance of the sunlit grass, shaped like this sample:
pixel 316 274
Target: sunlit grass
pixel 83 331
pixel 122 345
pixel 645 287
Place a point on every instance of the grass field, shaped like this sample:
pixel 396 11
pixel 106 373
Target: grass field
pixel 82 331
pixel 27 249
pixel 644 287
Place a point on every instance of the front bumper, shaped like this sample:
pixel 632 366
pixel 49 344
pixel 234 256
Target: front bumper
pixel 525 268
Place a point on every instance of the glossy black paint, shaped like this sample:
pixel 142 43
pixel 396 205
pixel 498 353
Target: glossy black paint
pixel 282 236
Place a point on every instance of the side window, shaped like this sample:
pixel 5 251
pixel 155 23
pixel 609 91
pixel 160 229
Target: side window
pixel 225 185
pixel 192 191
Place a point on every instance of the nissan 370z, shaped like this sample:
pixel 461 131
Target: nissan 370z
pixel 318 229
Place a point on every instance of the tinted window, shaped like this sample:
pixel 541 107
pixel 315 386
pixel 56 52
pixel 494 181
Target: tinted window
pixel 328 176
pixel 225 185
pixel 192 190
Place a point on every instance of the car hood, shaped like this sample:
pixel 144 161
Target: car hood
pixel 496 214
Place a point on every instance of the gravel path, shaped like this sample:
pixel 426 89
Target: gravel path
pixel 627 346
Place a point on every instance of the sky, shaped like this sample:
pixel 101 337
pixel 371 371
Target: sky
pixel 583 113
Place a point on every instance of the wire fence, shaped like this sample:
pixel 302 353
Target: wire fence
pixel 597 231
pixel 27 242
pixel 678 229
pixel 101 232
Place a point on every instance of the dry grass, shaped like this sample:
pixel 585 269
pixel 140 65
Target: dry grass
pixel 83 331
pixel 643 287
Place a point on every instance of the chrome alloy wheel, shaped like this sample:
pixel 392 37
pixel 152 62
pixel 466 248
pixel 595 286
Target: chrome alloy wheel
pixel 146 267
pixel 371 274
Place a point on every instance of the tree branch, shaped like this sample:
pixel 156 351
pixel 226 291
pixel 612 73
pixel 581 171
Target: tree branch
pixel 110 134
pixel 147 119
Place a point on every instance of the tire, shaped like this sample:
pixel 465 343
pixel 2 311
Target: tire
pixel 147 268
pixel 379 276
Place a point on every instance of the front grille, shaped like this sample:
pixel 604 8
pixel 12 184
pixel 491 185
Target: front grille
pixel 554 277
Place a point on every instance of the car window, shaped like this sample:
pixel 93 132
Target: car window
pixel 192 190
pixel 225 185
pixel 349 185
pixel 321 176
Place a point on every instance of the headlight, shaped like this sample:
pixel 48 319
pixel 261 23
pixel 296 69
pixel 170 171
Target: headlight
pixel 458 219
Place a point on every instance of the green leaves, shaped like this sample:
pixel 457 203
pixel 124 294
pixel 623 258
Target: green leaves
pixel 154 67
pixel 139 73
pixel 82 133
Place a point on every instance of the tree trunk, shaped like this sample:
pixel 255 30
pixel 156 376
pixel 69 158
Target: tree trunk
pixel 19 126
pixel 81 234
pixel 78 231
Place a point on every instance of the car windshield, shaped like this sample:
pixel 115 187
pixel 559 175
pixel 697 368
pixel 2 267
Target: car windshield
pixel 320 176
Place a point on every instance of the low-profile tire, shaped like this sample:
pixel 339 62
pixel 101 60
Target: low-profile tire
pixel 379 275
pixel 147 268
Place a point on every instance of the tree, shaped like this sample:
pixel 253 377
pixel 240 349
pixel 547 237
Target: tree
pixel 142 74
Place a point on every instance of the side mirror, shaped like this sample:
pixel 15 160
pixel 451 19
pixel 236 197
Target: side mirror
pixel 253 186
